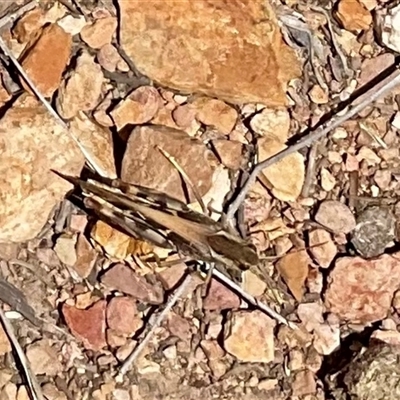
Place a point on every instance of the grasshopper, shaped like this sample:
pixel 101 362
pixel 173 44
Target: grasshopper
pixel 166 222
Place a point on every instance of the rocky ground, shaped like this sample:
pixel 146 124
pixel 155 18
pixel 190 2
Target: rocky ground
pixel 220 86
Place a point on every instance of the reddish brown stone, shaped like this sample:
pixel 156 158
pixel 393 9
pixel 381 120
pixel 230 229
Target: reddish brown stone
pixel 229 152
pixel 219 297
pixel 170 276
pixel 45 59
pixel 144 165
pixel 304 383
pixel 123 279
pixel 123 316
pixel 88 325
pixel 361 291
pixel 86 256
pixel 179 327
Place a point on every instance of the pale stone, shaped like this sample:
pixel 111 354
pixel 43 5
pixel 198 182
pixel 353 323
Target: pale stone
pixel 252 284
pixel 215 197
pixel 9 392
pixel 322 247
pixel 389 337
pixel 108 57
pixel 52 393
pixel 272 123
pixel 372 67
pixel 72 25
pixel 365 153
pixel 268 384
pixel 335 216
pixel 326 338
pixel 396 121
pixel 388 27
pixel 23 393
pixel 138 108
pixel 82 90
pixel 250 337
pixel 286 177
pixel 328 181
pixel 65 250
pixel 170 43
pixel 43 358
pixel 97 142
pixel 5 345
pixel 318 95
pixel 30 190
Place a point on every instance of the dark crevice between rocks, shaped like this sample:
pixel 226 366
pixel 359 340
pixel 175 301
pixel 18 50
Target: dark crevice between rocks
pixel 335 365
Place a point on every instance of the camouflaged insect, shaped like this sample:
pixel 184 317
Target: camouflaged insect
pixel 164 221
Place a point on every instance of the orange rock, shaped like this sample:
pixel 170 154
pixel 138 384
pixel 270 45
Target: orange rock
pixel 100 32
pixel 117 244
pixel 216 114
pixel 294 270
pixel 45 59
pixel 85 257
pixel 230 56
pixel 229 152
pixel 138 108
pixel 28 25
pixel 353 15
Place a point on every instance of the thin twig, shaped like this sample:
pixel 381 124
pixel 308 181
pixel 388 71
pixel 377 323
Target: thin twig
pixel 370 96
pixel 32 383
pixel 171 302
pixel 310 172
